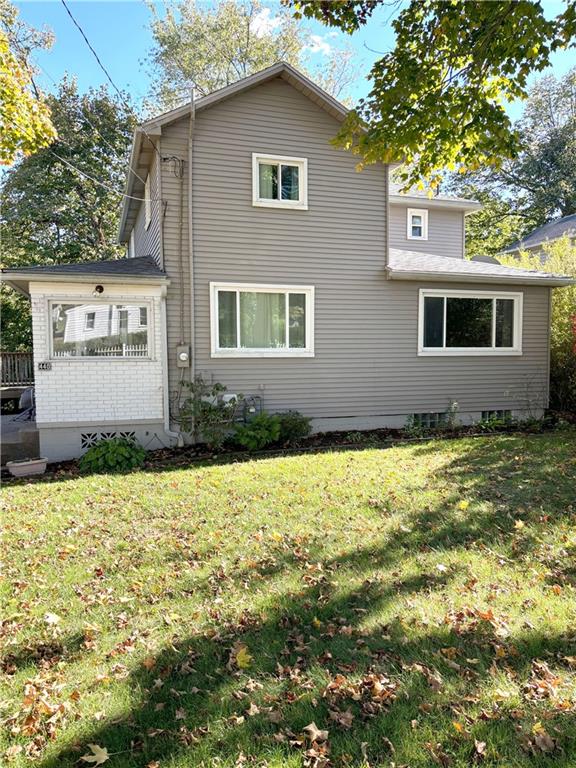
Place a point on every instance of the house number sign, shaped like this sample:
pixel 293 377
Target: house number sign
pixel 45 366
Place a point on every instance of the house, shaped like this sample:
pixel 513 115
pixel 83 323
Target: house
pixel 260 258
pixel 535 241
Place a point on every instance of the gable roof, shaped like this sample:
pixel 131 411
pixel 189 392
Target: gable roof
pixel 281 70
pixel 140 269
pixel 145 134
pixel 551 231
pixel 412 265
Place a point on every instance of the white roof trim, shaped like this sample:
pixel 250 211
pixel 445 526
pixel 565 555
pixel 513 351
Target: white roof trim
pixel 455 204
pixel 413 265
pixel 281 69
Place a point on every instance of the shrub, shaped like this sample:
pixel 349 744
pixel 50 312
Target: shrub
pixel 116 454
pixel 261 431
pixel 293 426
pixel 560 258
pixel 206 415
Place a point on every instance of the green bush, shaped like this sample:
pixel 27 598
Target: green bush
pixel 261 431
pixel 206 415
pixel 117 454
pixel 560 258
pixel 293 426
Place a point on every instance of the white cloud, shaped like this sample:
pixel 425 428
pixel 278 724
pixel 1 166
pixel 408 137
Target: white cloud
pixel 319 44
pixel 264 23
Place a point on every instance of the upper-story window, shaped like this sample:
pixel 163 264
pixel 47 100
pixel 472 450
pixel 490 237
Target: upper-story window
pixel 417 224
pixel 147 201
pixel 279 182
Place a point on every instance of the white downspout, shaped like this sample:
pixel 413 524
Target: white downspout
pixel 165 384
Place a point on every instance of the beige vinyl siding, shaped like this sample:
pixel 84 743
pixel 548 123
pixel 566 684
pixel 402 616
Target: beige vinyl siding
pixel 176 253
pixel 445 231
pixel 366 327
pixel 147 240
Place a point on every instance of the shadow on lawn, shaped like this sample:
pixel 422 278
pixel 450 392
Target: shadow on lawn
pixel 187 705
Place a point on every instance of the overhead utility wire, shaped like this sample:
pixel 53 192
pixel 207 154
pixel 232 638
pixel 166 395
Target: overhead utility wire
pixel 103 68
pixel 82 113
pixel 83 173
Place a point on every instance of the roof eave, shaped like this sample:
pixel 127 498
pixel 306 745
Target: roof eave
pixel 21 280
pixel 550 282
pixel 456 205
pixel 280 69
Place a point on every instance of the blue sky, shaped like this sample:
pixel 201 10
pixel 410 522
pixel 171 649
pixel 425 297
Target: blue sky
pixel 119 31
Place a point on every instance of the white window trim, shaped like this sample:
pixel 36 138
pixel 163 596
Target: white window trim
pixel 216 351
pixel 93 300
pixel 147 201
pixel 423 212
pixel 86 316
pixel 302 203
pixel 472 351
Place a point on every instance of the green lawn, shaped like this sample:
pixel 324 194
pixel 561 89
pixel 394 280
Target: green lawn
pixel 417 603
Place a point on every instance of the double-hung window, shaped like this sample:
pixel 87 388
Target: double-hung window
pixel 279 182
pixel 262 320
pixel 469 323
pixel 417 224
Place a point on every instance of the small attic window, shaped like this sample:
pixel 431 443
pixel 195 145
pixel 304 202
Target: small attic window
pixel 417 224
pixel 147 202
pixel 279 182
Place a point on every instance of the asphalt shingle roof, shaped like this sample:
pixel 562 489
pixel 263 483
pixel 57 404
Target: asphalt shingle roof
pixel 142 266
pixel 550 231
pixel 412 264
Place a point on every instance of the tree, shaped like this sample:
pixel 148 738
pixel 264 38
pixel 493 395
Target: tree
pixel 61 204
pixel 536 186
pixel 25 123
pixel 437 100
pixel 560 259
pixel 211 46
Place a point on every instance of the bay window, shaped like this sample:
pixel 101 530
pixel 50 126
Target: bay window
pixel 279 182
pixel 261 320
pixel 469 323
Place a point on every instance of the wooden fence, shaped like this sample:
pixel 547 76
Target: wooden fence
pixel 17 369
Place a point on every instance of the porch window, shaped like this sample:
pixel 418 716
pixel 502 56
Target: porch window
pixel 279 182
pixel 99 329
pixel 469 323
pixel 261 320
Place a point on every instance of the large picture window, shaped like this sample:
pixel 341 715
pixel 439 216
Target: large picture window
pixel 469 322
pixel 262 320
pixel 100 329
pixel 279 182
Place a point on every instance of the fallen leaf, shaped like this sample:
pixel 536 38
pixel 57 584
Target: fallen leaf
pixel 99 755
pixel 314 733
pixel 243 657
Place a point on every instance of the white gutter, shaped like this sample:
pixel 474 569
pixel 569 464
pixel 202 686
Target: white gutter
pixel 466 277
pixel 461 204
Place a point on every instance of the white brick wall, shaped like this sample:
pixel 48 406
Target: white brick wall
pixel 96 390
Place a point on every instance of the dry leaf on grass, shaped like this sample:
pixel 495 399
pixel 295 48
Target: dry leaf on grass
pixel 99 755
pixel 314 733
